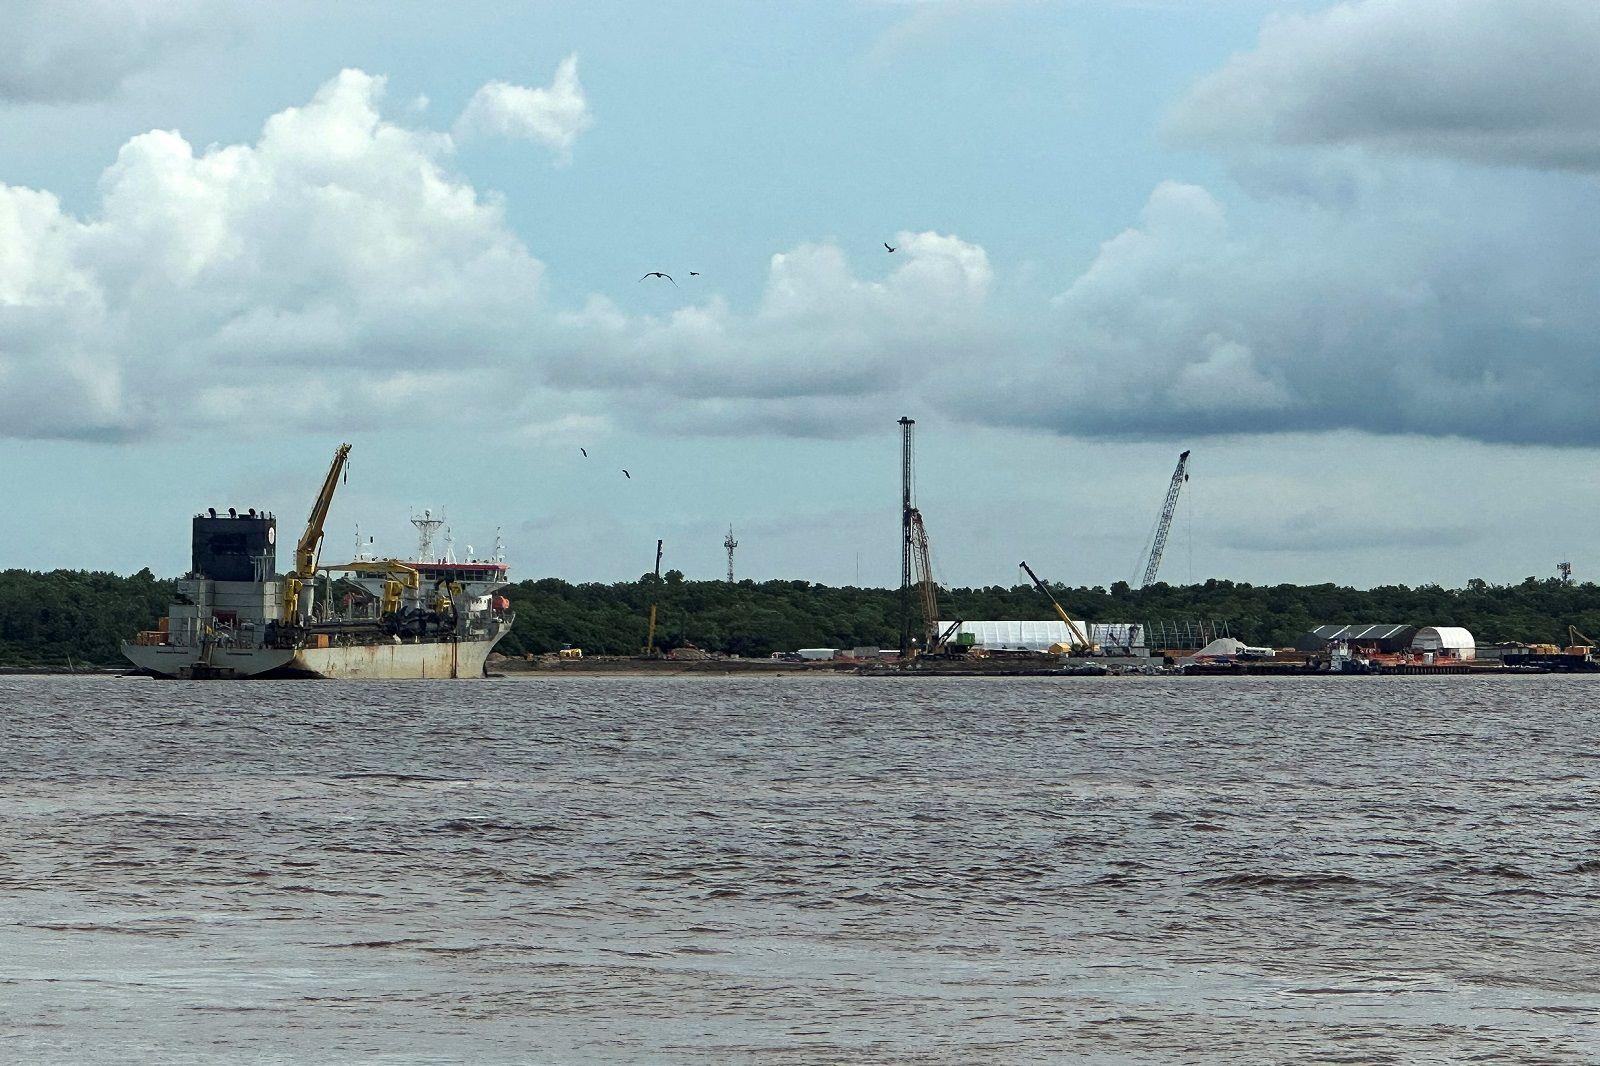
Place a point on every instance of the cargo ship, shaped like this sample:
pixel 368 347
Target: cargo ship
pixel 237 617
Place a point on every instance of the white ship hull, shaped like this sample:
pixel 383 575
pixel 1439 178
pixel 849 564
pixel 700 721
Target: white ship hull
pixel 189 661
pixel 385 661
pixel 450 659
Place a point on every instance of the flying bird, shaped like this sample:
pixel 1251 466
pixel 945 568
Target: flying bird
pixel 694 273
pixel 659 274
pixel 889 246
pixel 627 475
pixel 585 452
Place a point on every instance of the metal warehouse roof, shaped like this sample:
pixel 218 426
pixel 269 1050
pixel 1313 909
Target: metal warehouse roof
pixel 1384 631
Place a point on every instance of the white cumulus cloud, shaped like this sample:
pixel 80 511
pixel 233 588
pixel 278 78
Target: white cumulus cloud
pixel 298 275
pixel 552 116
pixel 338 271
pixel 814 357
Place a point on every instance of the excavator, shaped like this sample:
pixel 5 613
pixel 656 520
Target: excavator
pixel 1078 643
pixel 306 551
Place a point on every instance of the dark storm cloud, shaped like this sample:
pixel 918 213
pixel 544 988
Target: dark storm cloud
pixel 72 51
pixel 1329 529
pixel 1498 81
pixel 1470 317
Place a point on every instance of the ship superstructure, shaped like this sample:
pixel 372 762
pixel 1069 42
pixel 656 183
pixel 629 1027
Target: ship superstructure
pixel 370 618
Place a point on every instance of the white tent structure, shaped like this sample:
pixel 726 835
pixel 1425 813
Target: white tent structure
pixel 1042 636
pixel 1449 642
pixel 1014 636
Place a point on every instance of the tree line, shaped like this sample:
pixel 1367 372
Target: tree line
pixel 80 617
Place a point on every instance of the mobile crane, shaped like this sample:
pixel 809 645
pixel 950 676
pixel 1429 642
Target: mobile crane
pixel 1077 640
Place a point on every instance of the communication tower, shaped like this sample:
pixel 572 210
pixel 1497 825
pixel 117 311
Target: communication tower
pixel 1565 570
pixel 730 544
pixel 427 528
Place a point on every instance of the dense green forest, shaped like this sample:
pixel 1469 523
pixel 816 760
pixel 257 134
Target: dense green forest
pixel 79 617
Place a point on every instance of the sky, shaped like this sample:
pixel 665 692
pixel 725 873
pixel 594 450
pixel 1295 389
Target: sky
pixel 1347 253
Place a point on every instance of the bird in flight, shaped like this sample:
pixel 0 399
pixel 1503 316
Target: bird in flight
pixel 627 475
pixel 889 246
pixel 585 452
pixel 694 273
pixel 659 274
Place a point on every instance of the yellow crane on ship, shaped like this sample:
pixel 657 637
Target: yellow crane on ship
pixel 310 544
pixel 397 578
pixel 1077 641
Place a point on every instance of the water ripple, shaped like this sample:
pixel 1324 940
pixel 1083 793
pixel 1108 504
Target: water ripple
pixel 786 870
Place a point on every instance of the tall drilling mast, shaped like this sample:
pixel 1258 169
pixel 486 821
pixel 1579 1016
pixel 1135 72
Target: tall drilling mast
pixel 655 596
pixel 906 515
pixel 730 544
pixel 1157 546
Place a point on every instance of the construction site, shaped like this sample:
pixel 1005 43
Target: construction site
pixel 1058 640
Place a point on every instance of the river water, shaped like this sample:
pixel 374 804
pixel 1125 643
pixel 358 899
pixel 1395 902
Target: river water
pixel 794 870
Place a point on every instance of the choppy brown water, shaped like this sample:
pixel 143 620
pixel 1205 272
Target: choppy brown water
pixel 794 870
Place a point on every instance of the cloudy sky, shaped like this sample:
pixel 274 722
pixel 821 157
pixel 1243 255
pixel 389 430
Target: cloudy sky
pixel 1348 253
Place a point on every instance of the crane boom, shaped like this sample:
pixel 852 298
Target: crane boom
pixel 1157 546
pixel 927 589
pixel 1076 635
pixel 305 552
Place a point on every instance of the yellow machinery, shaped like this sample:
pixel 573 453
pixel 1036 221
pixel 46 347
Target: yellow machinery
pixel 1577 643
pixel 305 552
pixel 1079 643
pixel 445 594
pixel 399 577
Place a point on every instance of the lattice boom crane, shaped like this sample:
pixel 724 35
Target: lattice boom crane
pixel 1157 546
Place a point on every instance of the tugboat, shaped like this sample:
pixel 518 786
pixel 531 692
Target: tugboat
pixel 236 617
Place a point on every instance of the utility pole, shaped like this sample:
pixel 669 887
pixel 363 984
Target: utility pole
pixel 905 536
pixel 655 594
pixel 730 544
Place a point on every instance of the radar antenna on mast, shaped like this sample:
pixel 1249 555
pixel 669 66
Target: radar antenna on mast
pixel 427 528
pixel 1159 544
